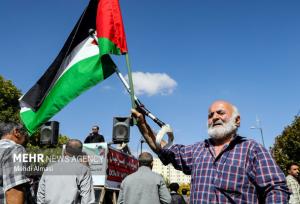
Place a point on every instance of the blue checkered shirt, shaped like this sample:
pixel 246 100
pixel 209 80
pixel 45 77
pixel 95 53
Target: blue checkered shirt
pixel 9 175
pixel 244 172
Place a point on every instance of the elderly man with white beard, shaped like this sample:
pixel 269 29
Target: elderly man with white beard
pixel 226 167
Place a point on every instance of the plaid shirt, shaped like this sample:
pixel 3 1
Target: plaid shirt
pixel 244 172
pixel 294 186
pixel 10 177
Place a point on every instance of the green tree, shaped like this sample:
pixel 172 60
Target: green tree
pixel 54 151
pixel 9 111
pixel 287 145
pixel 9 104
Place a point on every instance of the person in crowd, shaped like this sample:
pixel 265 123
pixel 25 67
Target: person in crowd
pixel 185 196
pixel 14 184
pixel 226 167
pixel 144 186
pixel 176 197
pixel 94 136
pixel 293 182
pixel 68 180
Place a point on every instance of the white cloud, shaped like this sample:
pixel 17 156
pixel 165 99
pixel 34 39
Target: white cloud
pixel 152 83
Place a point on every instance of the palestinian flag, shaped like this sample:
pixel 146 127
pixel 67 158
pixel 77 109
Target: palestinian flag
pixel 82 63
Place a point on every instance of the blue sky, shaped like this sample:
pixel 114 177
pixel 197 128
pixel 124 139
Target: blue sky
pixel 247 52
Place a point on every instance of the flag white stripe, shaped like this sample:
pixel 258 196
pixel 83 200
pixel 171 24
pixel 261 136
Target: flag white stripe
pixel 83 50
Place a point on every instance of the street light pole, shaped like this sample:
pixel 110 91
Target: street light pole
pixel 142 141
pixel 258 126
pixel 262 136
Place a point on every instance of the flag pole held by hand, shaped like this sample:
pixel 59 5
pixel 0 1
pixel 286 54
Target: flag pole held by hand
pixel 165 128
pixel 131 92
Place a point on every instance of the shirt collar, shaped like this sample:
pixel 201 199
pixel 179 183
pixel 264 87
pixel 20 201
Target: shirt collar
pixel 236 139
pixel 8 141
pixel 145 167
pixel 292 177
pixel 227 147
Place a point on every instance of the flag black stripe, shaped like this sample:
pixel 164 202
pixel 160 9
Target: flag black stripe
pixel 36 95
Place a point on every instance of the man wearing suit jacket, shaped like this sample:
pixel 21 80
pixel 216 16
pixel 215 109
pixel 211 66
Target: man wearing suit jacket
pixel 144 186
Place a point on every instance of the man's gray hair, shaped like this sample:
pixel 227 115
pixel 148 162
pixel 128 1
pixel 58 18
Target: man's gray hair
pixel 235 111
pixel 74 147
pixel 8 127
pixel 145 159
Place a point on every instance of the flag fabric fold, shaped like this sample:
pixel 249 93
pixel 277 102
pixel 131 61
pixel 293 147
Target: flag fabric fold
pixel 82 63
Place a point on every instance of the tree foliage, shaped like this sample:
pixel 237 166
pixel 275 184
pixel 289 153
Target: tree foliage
pixel 9 111
pixel 287 145
pixel 34 147
pixel 9 104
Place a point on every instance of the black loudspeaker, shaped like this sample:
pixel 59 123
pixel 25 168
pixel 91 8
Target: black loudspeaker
pixel 121 129
pixel 49 133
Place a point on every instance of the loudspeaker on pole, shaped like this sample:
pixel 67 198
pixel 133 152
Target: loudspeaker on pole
pixel 121 130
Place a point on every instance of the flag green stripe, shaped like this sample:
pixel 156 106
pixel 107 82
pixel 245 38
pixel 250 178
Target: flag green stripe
pixel 80 77
pixel 106 46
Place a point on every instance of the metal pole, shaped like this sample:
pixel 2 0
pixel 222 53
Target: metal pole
pixel 142 141
pixel 141 106
pixel 258 126
pixel 262 136
pixel 130 81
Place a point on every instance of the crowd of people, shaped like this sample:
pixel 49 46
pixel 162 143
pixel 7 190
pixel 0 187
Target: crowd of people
pixel 62 183
pixel 224 168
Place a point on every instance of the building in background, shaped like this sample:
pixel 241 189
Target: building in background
pixel 170 173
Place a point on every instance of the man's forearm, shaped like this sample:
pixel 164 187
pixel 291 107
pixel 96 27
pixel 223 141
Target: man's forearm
pixel 15 195
pixel 148 136
pixel 145 129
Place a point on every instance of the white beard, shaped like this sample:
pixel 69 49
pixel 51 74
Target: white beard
pixel 222 131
